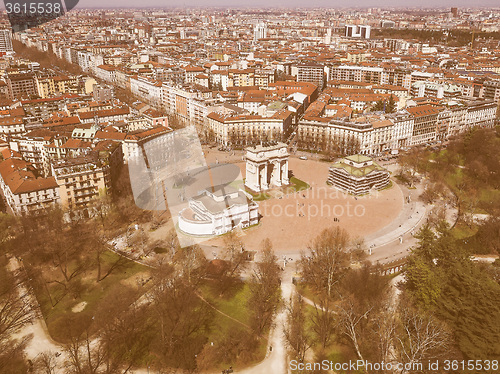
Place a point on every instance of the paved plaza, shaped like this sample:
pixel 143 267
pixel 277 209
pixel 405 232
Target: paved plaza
pixel 293 220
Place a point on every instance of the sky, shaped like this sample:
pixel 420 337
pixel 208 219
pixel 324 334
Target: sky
pixel 288 3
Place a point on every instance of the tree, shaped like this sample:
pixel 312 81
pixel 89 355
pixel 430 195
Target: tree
pixel 323 321
pixel 192 262
pixel 379 106
pixel 16 308
pixel 421 338
pixel 16 311
pixel 99 247
pixel 85 356
pixel 46 363
pixel 441 280
pixel 265 289
pixel 181 319
pixel 410 163
pixel 296 335
pixel 363 292
pixel 235 262
pixel 391 105
pixel 327 259
pixel 123 330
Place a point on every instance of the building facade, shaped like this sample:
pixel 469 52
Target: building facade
pixel 358 175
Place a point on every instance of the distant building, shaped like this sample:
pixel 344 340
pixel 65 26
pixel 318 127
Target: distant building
pixel 492 90
pixel 6 41
pixel 454 12
pixel 260 31
pixel 386 24
pixel 22 85
pixel 313 73
pixel 358 31
pixel 103 93
pixel 217 211
pixel 435 89
pixel 357 175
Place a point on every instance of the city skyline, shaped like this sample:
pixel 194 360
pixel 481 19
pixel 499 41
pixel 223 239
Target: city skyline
pixel 425 4
pixel 291 4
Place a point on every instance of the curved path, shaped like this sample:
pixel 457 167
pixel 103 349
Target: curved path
pixel 276 359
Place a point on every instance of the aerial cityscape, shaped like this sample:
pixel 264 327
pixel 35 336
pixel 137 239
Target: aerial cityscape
pixel 284 188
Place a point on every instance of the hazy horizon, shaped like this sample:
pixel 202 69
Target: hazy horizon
pixel 289 3
pixel 98 4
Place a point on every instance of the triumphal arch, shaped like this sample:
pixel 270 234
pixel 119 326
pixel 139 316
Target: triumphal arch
pixel 266 166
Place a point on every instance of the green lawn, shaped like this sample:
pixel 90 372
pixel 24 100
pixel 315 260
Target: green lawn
pixel 236 307
pixel 258 196
pixel 93 294
pixel 462 231
pixel 298 185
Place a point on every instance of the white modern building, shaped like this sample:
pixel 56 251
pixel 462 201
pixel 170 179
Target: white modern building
pixel 260 31
pixel 218 210
pixel 358 31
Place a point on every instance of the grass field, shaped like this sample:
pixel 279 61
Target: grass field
pixel 92 293
pixel 223 328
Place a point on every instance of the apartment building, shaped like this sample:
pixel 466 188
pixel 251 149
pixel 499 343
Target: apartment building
pixel 30 146
pixel 187 103
pixel 11 125
pixel 236 129
pixel 24 193
pixel 148 90
pixel 49 86
pixel 81 181
pixel 425 123
pixel 313 73
pixel 435 89
pixel 22 85
pixel 372 74
pixel 492 90
pixel 6 41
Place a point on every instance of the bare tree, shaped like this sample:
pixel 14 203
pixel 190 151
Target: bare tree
pixel 16 307
pixel 384 329
pixel 296 335
pixel 327 260
pixel 46 363
pixel 323 320
pixel 265 289
pixel 351 321
pixel 181 318
pixel 363 293
pixel 423 338
pixel 192 261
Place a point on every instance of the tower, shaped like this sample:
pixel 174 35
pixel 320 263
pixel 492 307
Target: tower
pixel 260 31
